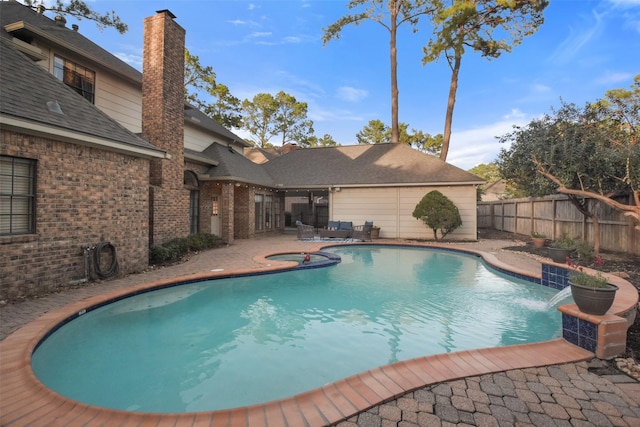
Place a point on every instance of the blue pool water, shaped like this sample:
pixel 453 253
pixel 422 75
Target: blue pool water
pixel 244 340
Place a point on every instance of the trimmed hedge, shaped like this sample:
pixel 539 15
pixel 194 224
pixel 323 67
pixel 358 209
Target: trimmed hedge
pixel 175 249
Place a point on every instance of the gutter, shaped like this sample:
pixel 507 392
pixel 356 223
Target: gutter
pixel 36 129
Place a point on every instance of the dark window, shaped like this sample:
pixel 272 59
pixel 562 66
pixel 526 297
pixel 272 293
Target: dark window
pixel 17 195
pixel 79 78
pixel 190 181
pixel 259 201
pixel 268 212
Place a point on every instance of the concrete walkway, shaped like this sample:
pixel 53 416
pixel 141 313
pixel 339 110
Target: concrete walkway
pixel 558 395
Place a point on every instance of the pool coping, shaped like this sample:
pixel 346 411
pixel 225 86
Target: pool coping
pixel 24 400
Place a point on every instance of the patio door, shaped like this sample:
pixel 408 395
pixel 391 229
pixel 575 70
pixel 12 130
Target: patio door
pixel 215 216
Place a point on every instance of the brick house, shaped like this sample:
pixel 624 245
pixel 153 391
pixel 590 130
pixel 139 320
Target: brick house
pixel 92 150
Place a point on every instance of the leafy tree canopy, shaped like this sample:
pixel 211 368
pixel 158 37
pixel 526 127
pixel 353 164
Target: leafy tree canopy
pixel 267 116
pixel 583 152
pixel 376 132
pixel 259 118
pixel 325 141
pixel 487 171
pixel 488 27
pixel 200 80
pixel 291 119
pixel 79 10
pixel 439 213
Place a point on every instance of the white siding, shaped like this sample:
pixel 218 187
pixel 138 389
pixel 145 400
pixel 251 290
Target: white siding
pixel 391 209
pixel 119 100
pixel 196 139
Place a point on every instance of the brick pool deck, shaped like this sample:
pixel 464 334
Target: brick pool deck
pixel 545 384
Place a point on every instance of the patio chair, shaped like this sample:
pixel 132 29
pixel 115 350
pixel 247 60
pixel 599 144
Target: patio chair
pixel 305 231
pixel 362 232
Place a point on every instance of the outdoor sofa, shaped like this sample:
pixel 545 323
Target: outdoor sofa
pixel 337 230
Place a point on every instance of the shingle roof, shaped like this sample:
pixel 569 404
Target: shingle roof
pixel 377 164
pixel 12 12
pixel 234 166
pixel 26 88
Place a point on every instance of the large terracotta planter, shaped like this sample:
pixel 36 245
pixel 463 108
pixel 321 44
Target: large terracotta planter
pixel 593 300
pixel 538 242
pixel 559 255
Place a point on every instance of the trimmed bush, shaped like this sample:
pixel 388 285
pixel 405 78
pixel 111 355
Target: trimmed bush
pixel 175 249
pixel 438 213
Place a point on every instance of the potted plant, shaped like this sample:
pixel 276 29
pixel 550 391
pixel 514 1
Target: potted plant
pixel 592 294
pixel 561 249
pixel 539 239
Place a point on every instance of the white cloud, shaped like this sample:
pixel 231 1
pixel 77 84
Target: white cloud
pixel 540 88
pixel 471 147
pixel 577 39
pixel 291 39
pixel 613 78
pixel 351 94
pixel 625 3
pixel 258 34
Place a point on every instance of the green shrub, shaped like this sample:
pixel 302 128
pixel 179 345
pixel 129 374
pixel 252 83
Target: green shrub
pixel 584 250
pixel 438 213
pixel 175 249
pixel 564 242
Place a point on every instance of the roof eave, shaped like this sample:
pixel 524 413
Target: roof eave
pixel 61 134
pixel 231 178
pixel 201 159
pixel 31 29
pixel 380 185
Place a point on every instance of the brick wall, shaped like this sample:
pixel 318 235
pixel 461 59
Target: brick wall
pixel 243 212
pixel 227 212
pixel 83 196
pixel 163 124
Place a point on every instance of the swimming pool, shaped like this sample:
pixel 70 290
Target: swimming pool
pixel 369 309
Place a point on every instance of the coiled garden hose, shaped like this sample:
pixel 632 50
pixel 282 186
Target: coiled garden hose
pixel 114 268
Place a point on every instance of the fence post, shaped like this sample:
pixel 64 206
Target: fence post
pixel 634 236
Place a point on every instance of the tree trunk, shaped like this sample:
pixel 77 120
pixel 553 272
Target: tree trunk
pixel 453 88
pixel 395 130
pixel 581 206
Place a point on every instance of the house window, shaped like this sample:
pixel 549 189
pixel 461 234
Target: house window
pixel 215 206
pixel 268 212
pixel 276 213
pixel 79 78
pixel 17 195
pixel 259 200
pixel 190 181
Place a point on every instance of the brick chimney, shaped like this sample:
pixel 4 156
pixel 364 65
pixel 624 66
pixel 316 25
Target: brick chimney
pixel 163 124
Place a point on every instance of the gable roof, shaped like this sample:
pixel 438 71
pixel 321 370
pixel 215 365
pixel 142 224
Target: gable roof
pixel 22 22
pixel 197 117
pixel 370 165
pixel 234 166
pixel 29 97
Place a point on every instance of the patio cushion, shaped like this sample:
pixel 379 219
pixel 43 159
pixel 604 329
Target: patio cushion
pixel 346 225
pixel 333 225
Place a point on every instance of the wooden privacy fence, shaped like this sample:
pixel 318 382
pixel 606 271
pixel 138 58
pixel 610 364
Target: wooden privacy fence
pixel 555 215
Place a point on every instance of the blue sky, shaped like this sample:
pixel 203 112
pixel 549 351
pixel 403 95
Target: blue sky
pixel 583 49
